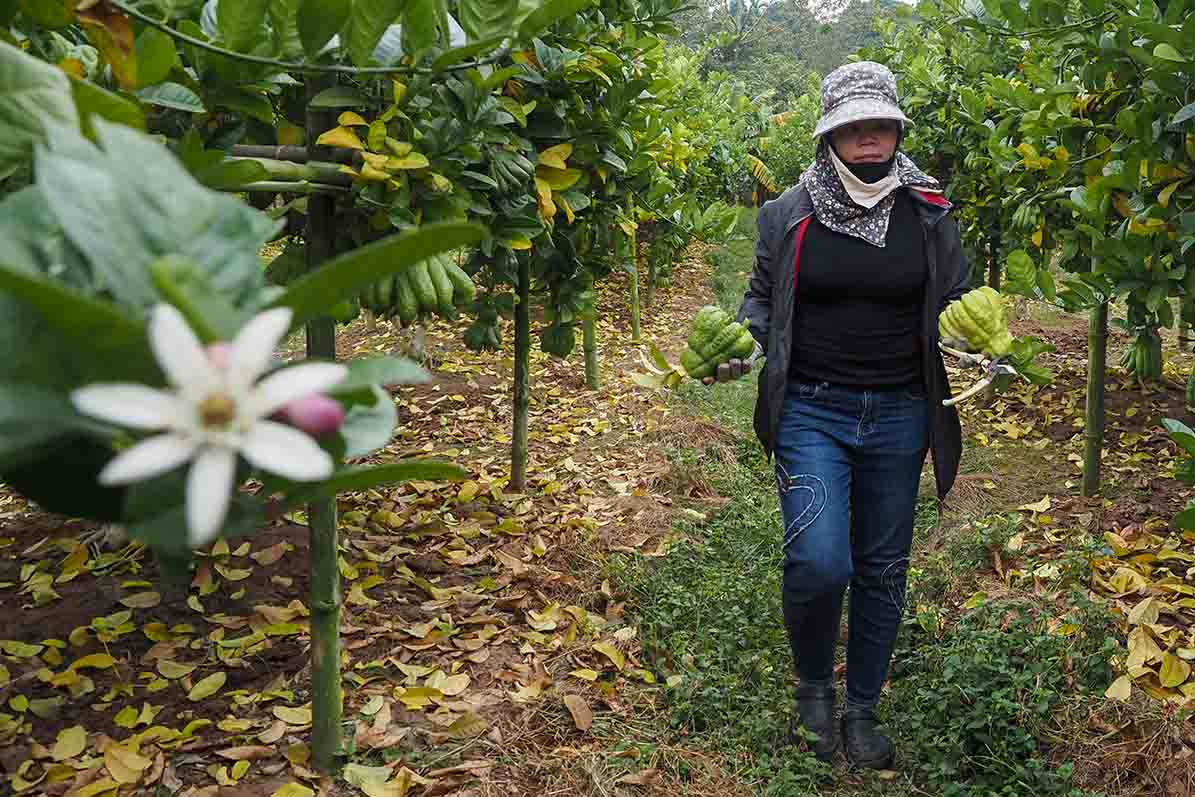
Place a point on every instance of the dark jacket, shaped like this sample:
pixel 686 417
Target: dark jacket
pixel 769 304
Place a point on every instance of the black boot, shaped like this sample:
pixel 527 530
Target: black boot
pixel 815 711
pixel 865 746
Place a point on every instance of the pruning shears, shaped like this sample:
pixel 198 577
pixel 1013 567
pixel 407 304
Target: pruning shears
pixel 997 372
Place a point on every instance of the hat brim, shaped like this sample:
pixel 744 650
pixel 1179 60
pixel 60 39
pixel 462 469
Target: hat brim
pixel 857 111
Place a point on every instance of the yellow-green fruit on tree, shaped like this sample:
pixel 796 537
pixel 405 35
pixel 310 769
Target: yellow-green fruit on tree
pixel 978 318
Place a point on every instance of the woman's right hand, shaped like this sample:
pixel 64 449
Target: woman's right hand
pixel 729 371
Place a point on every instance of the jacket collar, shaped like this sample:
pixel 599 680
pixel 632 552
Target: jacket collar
pixel 932 207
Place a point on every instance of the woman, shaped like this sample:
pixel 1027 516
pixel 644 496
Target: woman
pixel 852 267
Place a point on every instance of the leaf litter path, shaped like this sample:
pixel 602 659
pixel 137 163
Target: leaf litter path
pixel 482 651
pixel 1124 543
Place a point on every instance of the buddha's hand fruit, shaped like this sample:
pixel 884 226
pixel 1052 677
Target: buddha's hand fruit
pixel 436 286
pixel 1143 358
pixel 714 339
pixel 977 319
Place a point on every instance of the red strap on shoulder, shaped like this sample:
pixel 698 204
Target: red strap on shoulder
pixel 797 257
pixel 932 198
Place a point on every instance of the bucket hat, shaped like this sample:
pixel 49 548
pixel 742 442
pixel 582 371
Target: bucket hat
pixel 853 92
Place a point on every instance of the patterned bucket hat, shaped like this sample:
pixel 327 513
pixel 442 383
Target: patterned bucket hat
pixel 862 90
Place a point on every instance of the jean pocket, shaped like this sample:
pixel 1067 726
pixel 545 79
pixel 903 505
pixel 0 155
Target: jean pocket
pixel 916 395
pixel 808 390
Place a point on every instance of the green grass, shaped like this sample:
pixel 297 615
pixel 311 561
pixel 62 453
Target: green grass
pixel 971 698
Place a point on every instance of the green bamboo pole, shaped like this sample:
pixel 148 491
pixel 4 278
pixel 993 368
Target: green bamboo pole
pixel 292 172
pixel 296 154
pixel 522 385
pixel 288 187
pixel 325 575
pixel 593 378
pixel 1097 346
pixel 634 256
pixel 589 338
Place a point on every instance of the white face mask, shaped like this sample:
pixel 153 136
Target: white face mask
pixel 867 195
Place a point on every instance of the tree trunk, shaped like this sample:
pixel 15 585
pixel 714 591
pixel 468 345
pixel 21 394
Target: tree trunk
pixel 522 386
pixel 325 574
pixel 1097 344
pixel 632 239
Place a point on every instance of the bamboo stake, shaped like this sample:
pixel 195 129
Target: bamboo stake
pixel 289 171
pixel 589 337
pixel 1097 346
pixel 589 341
pixel 297 154
pixel 522 387
pixel 326 695
pixel 634 255
pixel 284 187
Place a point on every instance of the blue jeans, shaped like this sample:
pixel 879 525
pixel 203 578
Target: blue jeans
pixel 848 464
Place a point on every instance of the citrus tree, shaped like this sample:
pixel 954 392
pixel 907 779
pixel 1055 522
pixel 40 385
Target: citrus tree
pixel 1085 170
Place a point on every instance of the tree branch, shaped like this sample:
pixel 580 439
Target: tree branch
pixel 288 66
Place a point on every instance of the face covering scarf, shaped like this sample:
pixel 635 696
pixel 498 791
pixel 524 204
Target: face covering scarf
pixel 848 204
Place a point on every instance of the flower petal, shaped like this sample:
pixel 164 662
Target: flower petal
pixel 132 405
pixel 147 459
pixel 255 344
pixel 180 354
pixel 209 491
pixel 287 452
pixel 291 384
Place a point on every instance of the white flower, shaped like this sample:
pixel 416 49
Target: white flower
pixel 216 410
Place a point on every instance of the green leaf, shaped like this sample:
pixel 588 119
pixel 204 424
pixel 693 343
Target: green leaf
pixel 51 14
pixel 1168 53
pixel 368 427
pixel 384 371
pixel 319 21
pixel 253 104
pixel 32 95
pixel 486 19
pixel 356 479
pixel 156 57
pixel 1181 434
pixel 338 97
pixel 283 21
pixel 174 96
pixel 122 225
pixel 1185 520
pixel 551 11
pixel 459 54
pixel 1021 274
pixel 92 101
pixel 419 25
pixel 345 275
pixel 31 416
pixel 241 23
pixel 229 175
pixel 1185 114
pixel 367 24
pixel 94 326
pixel 207 312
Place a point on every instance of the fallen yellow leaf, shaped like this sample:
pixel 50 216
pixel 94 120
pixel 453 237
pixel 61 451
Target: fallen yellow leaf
pixel 71 742
pixel 293 716
pixel 142 600
pixel 207 687
pixel 1120 689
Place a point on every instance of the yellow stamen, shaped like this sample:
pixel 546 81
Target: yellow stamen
pixel 217 410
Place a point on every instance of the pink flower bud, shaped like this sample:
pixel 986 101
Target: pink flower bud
pixel 316 414
pixel 220 354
